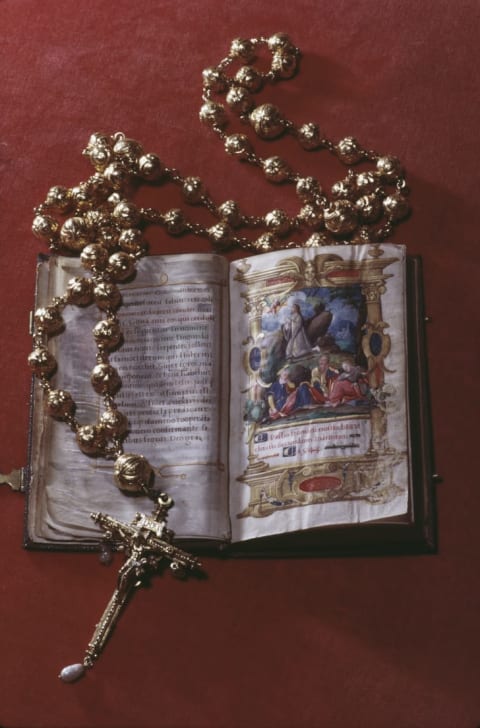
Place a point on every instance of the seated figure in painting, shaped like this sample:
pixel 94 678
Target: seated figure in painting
pixel 278 394
pixel 323 375
pixel 350 387
pixel 285 397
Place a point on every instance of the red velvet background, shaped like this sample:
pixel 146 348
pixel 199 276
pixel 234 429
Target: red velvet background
pixel 287 643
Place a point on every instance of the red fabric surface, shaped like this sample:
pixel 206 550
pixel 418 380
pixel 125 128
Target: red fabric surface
pixel 285 643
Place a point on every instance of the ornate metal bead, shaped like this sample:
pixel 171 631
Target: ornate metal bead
pixel 249 78
pixel 117 175
pixel 81 197
pixel 230 213
pixel 309 136
pixel 284 64
pixel 266 242
pixel 267 121
pixel 100 155
pixel 108 236
pixel 41 362
pixel 343 189
pixel 74 234
pixel 45 227
pixel 126 214
pixel 128 152
pixel 59 198
pixel 244 49
pixel 105 379
pixel 107 295
pixel 238 145
pixel 150 167
pixel 214 79
pixel 99 187
pixel 366 182
pixel 91 439
pixel 341 217
pixel 396 206
pixel 389 167
pixel 94 256
pixel 276 169
pixel 193 190
pixel 133 473
pixel 369 207
pixel 121 265
pixel 220 235
pixel 278 222
pixel 114 422
pixel 80 291
pixel 59 404
pixel 311 215
pixel 314 241
pixel 132 241
pixel 279 41
pixel 213 114
pixel 107 333
pixel 49 319
pixel 308 188
pixel 239 99
pixel 349 150
pixel 175 221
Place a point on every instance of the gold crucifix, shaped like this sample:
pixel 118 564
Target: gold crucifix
pixel 147 542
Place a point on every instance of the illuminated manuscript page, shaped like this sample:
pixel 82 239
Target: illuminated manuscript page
pixel 174 394
pixel 318 430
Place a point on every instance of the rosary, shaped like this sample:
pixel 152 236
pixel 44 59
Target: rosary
pixel 106 230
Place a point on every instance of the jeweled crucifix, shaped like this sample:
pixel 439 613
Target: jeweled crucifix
pixel 147 542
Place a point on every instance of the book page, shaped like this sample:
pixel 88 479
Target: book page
pixel 174 393
pixel 319 421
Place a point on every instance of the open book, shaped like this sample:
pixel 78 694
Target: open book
pixel 280 399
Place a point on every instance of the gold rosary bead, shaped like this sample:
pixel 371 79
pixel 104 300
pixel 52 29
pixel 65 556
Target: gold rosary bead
pixel 343 189
pixel 349 150
pixel 249 78
pixel 239 99
pixel 99 150
pixel 74 234
pixel 79 291
pixel 214 79
pixel 244 49
pixel 94 256
pixel 276 169
pixel 213 114
pixel 82 197
pixel 49 319
pixel 45 227
pixel 105 379
pixel 121 265
pixel 175 222
pixel 284 64
pixel 127 152
pixel 279 41
pixel 230 213
pixel 369 207
pixel 59 404
pixel 311 215
pixel 266 243
pixel 126 214
pixel 116 175
pixel 366 182
pixel 309 136
pixel 107 333
pixel 132 241
pixel 314 241
pixel 220 235
pixel 107 295
pixel 42 362
pixel 133 473
pixel 341 217
pixel 267 121
pixel 150 167
pixel 60 198
pixel 389 167
pixel 238 145
pixel 108 236
pixel 114 422
pixel 308 188
pixel 193 190
pixel 91 439
pixel 278 222
pixel 396 206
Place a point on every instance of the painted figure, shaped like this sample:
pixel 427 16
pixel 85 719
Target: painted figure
pixel 294 332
